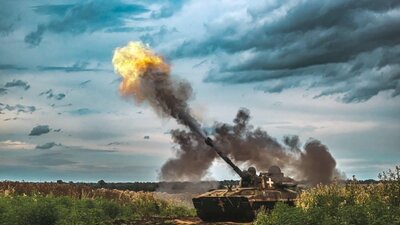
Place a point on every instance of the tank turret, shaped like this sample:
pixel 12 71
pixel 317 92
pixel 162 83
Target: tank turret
pixel 249 177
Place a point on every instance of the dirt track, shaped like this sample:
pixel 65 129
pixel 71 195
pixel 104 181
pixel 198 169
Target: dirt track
pixel 176 221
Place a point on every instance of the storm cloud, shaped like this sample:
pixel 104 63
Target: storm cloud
pixel 3 91
pixel 9 17
pixel 167 8
pixel 346 48
pixel 18 108
pixel 82 112
pixel 50 94
pixel 76 67
pixel 48 145
pixel 12 67
pixel 157 37
pixel 39 130
pixel 87 16
pixel 18 83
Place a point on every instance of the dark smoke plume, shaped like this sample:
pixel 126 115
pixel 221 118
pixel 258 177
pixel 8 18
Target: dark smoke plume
pixel 169 98
pixel 316 164
pixel 247 146
pixel 193 157
pixel 146 77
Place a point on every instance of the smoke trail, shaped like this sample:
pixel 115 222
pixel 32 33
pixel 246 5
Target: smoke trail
pixel 147 78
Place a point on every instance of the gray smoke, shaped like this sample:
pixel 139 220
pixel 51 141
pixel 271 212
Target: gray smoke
pixel 316 164
pixel 193 158
pixel 169 98
pixel 246 146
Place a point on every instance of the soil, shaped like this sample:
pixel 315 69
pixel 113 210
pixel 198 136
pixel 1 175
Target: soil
pixel 173 221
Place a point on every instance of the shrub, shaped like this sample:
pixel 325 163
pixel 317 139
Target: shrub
pixel 352 203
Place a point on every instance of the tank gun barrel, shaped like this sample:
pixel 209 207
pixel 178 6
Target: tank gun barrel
pixel 210 143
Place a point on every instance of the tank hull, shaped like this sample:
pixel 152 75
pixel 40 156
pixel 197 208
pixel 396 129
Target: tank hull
pixel 224 209
pixel 233 208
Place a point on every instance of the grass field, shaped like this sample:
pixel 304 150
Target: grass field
pixel 51 203
pixel 71 204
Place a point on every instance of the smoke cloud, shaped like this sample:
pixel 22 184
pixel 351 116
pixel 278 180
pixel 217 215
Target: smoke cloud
pixel 146 78
pixel 193 158
pixel 249 146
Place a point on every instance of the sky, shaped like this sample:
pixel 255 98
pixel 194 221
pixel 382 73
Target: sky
pixel 321 69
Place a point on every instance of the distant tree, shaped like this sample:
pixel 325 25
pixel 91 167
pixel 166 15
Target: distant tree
pixel 60 181
pixel 101 183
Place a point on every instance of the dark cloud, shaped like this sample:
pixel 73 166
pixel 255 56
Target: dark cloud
pixel 39 130
pixel 199 64
pixel 116 143
pixel 167 8
pixel 18 83
pixel 18 108
pixel 61 106
pixel 90 150
pixel 50 94
pixel 348 48
pixel 6 28
pixel 3 91
pixel 34 38
pixel 57 10
pixel 155 38
pixel 84 83
pixel 9 17
pixel 47 145
pixel 129 29
pixel 76 67
pixel 11 67
pixel 87 16
pixel 59 96
pixel 8 119
pixel 83 111
pixel 73 149
pixel 57 130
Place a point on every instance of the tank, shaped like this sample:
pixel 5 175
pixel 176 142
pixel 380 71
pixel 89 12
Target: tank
pixel 241 203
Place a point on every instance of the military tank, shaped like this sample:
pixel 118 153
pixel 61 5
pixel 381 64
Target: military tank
pixel 240 204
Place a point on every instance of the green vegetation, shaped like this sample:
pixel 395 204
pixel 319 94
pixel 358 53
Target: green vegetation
pixel 333 204
pixel 60 204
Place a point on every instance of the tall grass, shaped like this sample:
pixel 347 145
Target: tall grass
pixel 352 203
pixel 59 204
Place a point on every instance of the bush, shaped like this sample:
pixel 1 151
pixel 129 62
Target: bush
pixel 282 214
pixel 352 203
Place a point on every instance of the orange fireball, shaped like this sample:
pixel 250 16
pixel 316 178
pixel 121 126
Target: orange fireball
pixel 134 61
